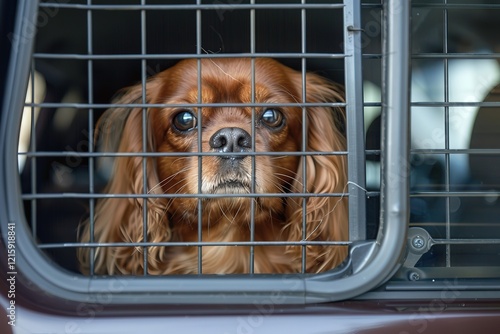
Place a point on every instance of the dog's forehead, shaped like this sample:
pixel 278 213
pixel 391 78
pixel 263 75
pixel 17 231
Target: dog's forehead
pixel 242 71
pixel 215 118
pixel 230 90
pixel 240 67
pixel 230 81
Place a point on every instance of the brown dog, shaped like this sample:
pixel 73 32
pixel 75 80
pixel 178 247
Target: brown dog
pixel 227 132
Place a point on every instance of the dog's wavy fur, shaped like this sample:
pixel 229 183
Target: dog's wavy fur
pixel 223 219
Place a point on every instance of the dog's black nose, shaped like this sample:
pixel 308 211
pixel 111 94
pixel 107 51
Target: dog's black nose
pixel 228 140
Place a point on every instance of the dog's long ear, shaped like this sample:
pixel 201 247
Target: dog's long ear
pixel 326 216
pixel 121 129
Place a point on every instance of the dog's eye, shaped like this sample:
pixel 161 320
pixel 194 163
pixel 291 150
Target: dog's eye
pixel 185 121
pixel 272 118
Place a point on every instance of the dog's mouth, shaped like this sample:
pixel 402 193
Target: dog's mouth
pixel 231 187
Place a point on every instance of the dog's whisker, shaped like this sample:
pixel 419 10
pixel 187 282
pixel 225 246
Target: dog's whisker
pixel 166 180
pixel 182 181
pixel 285 180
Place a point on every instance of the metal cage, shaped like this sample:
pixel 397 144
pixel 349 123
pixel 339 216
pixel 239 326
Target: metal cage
pixel 387 242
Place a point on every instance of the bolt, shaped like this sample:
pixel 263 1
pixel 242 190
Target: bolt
pixel 414 276
pixel 418 242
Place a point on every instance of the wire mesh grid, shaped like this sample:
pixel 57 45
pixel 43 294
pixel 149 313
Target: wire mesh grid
pixel 354 189
pixel 460 227
pixel 453 220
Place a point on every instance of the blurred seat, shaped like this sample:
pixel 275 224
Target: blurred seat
pixel 486 135
pixel 478 217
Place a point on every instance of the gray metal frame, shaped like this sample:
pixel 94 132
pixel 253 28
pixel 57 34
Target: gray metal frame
pixel 371 263
pixel 355 121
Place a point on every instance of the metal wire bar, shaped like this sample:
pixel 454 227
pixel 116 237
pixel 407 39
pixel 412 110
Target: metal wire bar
pixel 197 105
pixel 455 194
pixel 457 151
pixel 169 154
pixel 253 162
pixel 182 105
pixel 456 104
pixel 465 242
pixel 174 7
pixel 303 44
pixel 368 193
pixel 176 56
pixel 32 148
pixel 196 244
pixel 465 6
pixel 447 167
pixel 456 55
pixel 199 84
pixel 145 186
pixel 252 243
pixel 461 224
pixel 430 55
pixel 203 196
pixel 90 97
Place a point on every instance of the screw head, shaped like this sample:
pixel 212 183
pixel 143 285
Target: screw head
pixel 414 276
pixel 418 242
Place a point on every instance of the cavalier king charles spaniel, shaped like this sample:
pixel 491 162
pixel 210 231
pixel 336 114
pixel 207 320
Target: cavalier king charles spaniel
pixel 210 197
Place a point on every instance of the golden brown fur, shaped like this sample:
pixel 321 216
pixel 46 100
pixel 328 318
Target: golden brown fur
pixel 223 219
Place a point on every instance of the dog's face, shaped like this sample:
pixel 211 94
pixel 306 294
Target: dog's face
pixel 231 133
pixel 234 149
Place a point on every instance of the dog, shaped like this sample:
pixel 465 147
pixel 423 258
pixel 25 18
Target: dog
pixel 231 200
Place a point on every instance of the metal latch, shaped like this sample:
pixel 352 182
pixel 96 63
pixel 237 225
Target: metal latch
pixel 419 243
